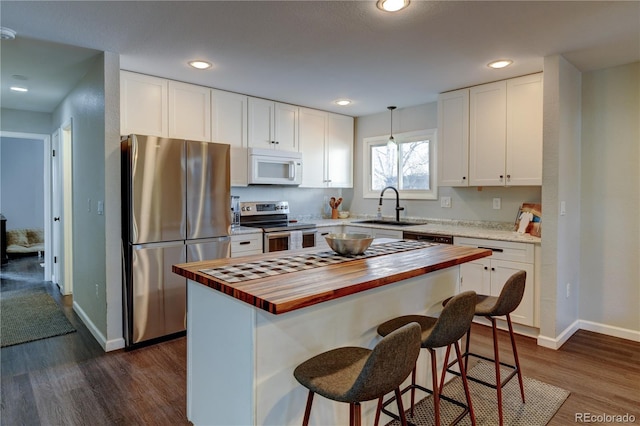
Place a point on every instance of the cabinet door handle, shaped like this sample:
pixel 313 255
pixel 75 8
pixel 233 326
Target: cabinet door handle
pixel 464 177
pixel 501 177
pixel 493 269
pixel 244 243
pixel 486 268
pixel 497 250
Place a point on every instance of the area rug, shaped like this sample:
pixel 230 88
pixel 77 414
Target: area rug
pixel 28 315
pixel 542 401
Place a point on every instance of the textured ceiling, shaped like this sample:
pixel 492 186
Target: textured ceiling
pixel 313 52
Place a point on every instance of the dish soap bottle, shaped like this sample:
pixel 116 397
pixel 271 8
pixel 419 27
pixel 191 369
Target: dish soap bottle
pixel 379 215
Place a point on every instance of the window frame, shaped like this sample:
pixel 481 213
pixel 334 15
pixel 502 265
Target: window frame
pixel 405 137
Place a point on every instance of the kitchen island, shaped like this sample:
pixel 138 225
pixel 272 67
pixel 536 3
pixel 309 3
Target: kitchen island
pixel 245 338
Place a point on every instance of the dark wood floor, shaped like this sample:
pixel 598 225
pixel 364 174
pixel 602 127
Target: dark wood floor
pixel 68 380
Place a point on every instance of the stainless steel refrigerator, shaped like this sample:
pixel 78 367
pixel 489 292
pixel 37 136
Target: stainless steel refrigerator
pixel 175 209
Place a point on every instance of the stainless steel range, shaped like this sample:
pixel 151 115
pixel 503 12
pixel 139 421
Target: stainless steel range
pixel 279 232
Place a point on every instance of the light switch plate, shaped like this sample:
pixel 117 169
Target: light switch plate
pixel 445 202
pixel 497 203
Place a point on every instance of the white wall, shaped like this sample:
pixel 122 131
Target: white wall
pixel 85 106
pixel 610 266
pixel 12 120
pixel 466 203
pixel 112 200
pixel 22 182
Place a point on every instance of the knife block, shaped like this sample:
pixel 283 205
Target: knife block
pixel 334 213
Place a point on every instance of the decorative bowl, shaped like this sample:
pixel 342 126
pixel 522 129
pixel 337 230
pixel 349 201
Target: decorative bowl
pixel 343 214
pixel 349 244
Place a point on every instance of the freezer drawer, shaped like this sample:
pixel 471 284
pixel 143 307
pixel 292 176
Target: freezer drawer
pixel 157 295
pixel 208 249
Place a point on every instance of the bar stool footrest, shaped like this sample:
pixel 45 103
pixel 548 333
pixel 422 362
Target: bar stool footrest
pixel 430 392
pixel 514 370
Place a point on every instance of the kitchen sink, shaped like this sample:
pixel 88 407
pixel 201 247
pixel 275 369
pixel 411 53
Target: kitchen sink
pixel 389 222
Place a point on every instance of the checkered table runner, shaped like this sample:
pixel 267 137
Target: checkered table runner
pixel 265 268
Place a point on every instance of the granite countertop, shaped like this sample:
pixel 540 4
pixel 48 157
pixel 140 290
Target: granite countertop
pixel 502 231
pixel 243 230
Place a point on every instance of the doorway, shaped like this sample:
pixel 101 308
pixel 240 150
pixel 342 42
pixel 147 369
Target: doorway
pixel 52 189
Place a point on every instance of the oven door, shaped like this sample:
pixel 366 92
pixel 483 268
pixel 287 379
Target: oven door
pixel 281 241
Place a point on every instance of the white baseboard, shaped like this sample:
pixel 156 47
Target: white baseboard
pixel 107 345
pixel 556 342
pixel 610 330
pixel 90 325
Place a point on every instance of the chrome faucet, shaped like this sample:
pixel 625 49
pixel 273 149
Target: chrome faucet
pixel 398 208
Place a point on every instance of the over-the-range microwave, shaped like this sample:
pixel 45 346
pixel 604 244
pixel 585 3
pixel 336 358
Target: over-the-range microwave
pixel 273 167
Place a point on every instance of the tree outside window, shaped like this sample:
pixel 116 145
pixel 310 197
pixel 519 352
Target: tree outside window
pixel 407 166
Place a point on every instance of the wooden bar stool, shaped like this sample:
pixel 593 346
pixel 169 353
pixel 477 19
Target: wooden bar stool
pixel 446 330
pixel 355 375
pixel 492 307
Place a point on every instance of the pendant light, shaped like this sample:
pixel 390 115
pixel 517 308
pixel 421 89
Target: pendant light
pixel 392 140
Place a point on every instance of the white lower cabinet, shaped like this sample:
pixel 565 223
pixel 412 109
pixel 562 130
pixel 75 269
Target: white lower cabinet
pixel 488 275
pixel 375 232
pixel 246 244
pixel 322 232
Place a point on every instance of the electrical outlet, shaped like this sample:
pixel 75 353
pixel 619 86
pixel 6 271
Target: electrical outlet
pixel 89 204
pixel 445 202
pixel 100 207
pixel 568 289
pixel 497 203
pixel 563 208
pixel 96 290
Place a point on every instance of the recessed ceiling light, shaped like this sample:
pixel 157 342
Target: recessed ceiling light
pixel 19 89
pixel 343 102
pixel 392 5
pixel 201 65
pixel 501 63
pixel 7 33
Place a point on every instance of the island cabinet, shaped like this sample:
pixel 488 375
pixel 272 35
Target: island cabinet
pixel 488 275
pixel 245 338
pixel 326 144
pixel 272 125
pixel 505 132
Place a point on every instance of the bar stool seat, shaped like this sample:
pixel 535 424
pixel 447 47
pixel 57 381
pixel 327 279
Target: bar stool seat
pixel 355 375
pixel 453 322
pixel 491 307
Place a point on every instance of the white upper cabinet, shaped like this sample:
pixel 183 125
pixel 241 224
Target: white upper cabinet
pixel 339 152
pixel 487 134
pixel 229 125
pixel 524 130
pixel 189 112
pixel 326 144
pixel 453 138
pixel 505 132
pixel 273 125
pixel 143 105
pixel 312 125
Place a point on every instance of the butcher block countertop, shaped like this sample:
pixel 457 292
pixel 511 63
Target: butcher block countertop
pixel 287 292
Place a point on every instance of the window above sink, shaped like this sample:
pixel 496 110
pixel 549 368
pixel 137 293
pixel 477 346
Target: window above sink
pixel 409 165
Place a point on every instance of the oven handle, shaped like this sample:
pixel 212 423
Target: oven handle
pixel 271 235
